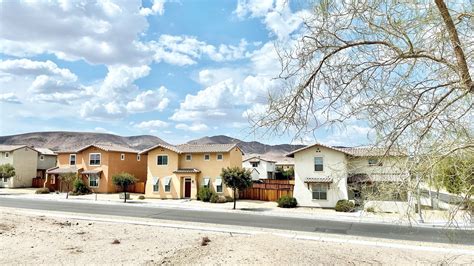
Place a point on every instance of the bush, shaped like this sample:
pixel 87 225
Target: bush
pixel 370 209
pixel 79 188
pixel 287 202
pixel 214 198
pixel 229 199
pixel 43 190
pixel 141 197
pixel 344 206
pixel 205 194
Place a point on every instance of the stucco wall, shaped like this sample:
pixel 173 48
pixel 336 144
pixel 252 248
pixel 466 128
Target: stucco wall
pixel 129 165
pixel 263 168
pixel 48 162
pixel 24 162
pixel 334 165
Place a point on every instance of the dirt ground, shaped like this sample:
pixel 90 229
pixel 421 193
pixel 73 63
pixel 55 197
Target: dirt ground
pixel 37 239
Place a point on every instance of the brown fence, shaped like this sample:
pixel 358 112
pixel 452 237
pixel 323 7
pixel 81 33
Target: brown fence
pixel 269 190
pixel 38 182
pixel 138 187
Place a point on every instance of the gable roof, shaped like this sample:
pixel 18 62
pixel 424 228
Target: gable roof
pixel 45 151
pixel 366 151
pixel 257 158
pixel 291 154
pixel 105 147
pixel 194 148
pixel 9 148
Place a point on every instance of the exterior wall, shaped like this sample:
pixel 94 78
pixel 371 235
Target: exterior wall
pixel 209 169
pixel 263 168
pixel 389 165
pixel 285 167
pixel 334 165
pixel 130 165
pixel 48 162
pixel 24 162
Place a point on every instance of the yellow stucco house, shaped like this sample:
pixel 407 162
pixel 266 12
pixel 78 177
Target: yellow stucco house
pixel 176 172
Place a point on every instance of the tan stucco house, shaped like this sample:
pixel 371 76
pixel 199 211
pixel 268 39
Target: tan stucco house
pixel 176 172
pixel 96 164
pixel 46 159
pixel 325 174
pixel 24 160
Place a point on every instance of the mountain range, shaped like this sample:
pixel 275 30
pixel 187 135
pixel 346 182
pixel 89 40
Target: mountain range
pixel 59 140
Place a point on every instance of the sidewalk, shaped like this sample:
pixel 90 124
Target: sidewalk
pixel 432 218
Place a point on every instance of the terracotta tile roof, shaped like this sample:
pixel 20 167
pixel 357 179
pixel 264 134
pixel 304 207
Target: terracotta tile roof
pixel 194 148
pixel 11 147
pixel 105 147
pixel 62 170
pixel 355 151
pixel 316 144
pixel 258 158
pixel 45 151
pixel 187 170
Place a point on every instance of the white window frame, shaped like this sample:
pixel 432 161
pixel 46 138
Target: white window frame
pixel 41 157
pixel 162 155
pixel 217 157
pixel 75 159
pixel 324 189
pixel 53 179
pixel 208 157
pixel 100 159
pixel 138 157
pixel 122 157
pixel 157 185
pixel 190 157
pixel 314 164
pixel 89 179
pixel 254 165
pixel 204 182
pixel 168 187
pixel 221 185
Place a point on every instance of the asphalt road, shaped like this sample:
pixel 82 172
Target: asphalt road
pixel 251 220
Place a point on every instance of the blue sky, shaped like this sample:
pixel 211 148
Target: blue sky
pixel 179 70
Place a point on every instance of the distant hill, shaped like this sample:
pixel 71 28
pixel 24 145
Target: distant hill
pixel 65 140
pixel 252 147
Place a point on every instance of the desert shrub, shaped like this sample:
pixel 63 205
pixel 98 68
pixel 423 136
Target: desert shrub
pixel 141 197
pixel 287 202
pixel 370 209
pixel 344 206
pixel 43 190
pixel 79 188
pixel 218 199
pixel 229 199
pixel 214 198
pixel 205 194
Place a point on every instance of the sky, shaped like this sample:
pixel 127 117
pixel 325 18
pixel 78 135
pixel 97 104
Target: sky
pixel 179 70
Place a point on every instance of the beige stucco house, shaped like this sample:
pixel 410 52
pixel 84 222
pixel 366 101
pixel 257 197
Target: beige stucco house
pixel 24 159
pixel 326 174
pixel 176 172
pixel 46 159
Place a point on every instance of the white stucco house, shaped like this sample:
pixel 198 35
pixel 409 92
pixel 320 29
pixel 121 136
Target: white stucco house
pixel 24 159
pixel 326 174
pixel 259 167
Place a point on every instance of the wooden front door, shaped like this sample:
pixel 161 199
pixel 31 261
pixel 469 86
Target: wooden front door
pixel 187 188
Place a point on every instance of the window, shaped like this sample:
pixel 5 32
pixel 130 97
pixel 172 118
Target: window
pixel 254 165
pixel 138 157
pixel 94 159
pixel 53 179
pixel 162 160
pixel 93 180
pixel 168 184
pixel 219 185
pixel 374 162
pixel 220 157
pixel 41 157
pixel 7 154
pixel 5 180
pixel 319 191
pixel 156 184
pixel 206 181
pixel 122 156
pixel 189 157
pixel 72 159
pixel 318 164
pixel 207 157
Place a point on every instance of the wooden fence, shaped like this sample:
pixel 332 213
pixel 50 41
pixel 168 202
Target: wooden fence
pixel 138 187
pixel 38 182
pixel 268 190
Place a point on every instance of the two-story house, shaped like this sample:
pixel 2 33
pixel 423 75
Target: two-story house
pixel 260 167
pixel 176 172
pixel 326 174
pixel 96 164
pixel 46 159
pixel 24 160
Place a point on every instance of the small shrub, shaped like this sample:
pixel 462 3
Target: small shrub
pixel 205 240
pixel 229 199
pixel 205 194
pixel 344 206
pixel 141 197
pixel 43 190
pixel 115 242
pixel 287 202
pixel 370 209
pixel 79 188
pixel 214 198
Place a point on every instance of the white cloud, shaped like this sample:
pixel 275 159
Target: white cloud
pixel 158 7
pixel 254 8
pixel 120 78
pixel 149 100
pixel 195 127
pixel 9 98
pixel 152 124
pixel 26 67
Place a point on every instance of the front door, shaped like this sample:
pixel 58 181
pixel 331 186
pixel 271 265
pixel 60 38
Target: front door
pixel 187 188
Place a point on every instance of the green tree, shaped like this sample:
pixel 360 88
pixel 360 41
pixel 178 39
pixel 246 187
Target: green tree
pixel 124 180
pixel 7 171
pixel 456 174
pixel 66 180
pixel 236 178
